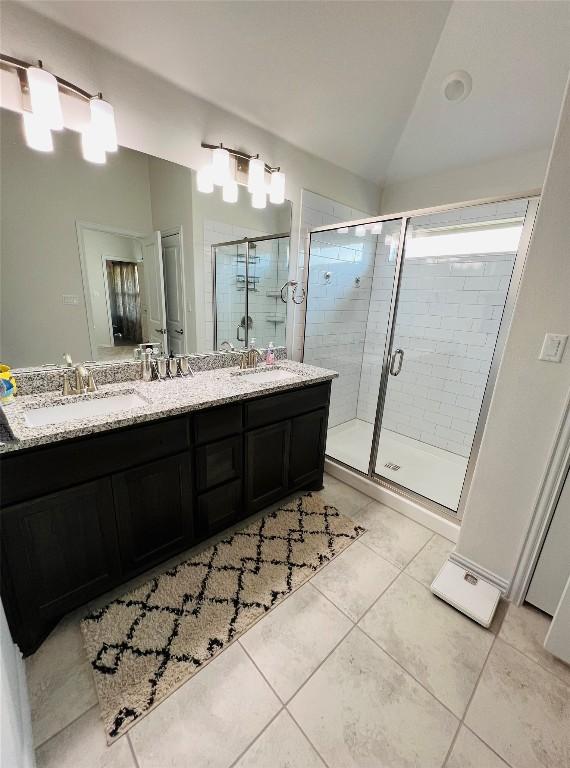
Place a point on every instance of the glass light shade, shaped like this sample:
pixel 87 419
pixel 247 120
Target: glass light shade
pixel 259 198
pixel 204 180
pixel 376 229
pixel 230 191
pixel 360 230
pixel 38 136
pixel 103 123
pixel 256 176
pixel 277 188
pixel 44 98
pixel 91 147
pixel 220 166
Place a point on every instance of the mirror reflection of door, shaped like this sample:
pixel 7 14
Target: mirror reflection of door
pixel 175 292
pixel 124 306
pixel 154 279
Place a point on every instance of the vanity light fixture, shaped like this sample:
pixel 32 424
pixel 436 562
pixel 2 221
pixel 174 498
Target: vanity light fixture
pixel 42 112
pixel 220 172
pixel 360 230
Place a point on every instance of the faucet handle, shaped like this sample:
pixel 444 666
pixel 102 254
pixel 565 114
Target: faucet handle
pixel 91 386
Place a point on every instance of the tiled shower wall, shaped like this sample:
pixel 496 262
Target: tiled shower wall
pixel 449 314
pixel 333 320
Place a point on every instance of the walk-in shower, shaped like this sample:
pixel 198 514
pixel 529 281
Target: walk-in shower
pixel 412 310
pixel 248 275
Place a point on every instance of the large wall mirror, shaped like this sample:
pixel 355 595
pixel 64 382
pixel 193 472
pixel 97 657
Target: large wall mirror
pixel 97 259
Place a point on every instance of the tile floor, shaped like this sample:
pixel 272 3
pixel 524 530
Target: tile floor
pixel 361 667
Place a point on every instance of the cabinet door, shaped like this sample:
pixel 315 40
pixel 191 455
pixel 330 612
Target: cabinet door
pixel 218 509
pixel 267 452
pixel 154 511
pixel 62 551
pixel 306 461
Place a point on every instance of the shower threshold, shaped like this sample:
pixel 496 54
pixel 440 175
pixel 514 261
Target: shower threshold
pixel 425 469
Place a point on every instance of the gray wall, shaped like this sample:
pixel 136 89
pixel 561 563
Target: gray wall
pixel 43 195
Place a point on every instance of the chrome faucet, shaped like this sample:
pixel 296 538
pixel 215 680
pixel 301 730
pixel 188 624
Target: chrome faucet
pixel 84 382
pixel 250 357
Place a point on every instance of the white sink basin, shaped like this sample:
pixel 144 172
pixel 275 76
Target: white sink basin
pixel 267 375
pixel 82 409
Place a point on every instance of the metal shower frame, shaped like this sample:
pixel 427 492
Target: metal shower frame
pixel 533 199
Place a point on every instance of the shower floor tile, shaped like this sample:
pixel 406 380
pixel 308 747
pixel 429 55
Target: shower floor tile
pixel 434 473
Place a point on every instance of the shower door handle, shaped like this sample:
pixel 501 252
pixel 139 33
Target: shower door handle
pixel 237 334
pixel 397 357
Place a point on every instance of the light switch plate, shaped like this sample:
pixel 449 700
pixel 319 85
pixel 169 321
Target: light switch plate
pixel 553 347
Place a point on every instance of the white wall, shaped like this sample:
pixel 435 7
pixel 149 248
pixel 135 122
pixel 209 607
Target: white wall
pixel 16 746
pixel 159 119
pixel 504 176
pixel 529 395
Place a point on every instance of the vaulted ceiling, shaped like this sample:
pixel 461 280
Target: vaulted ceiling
pixel 357 83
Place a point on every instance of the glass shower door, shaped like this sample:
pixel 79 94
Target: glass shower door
pixel 352 271
pixel 268 270
pixel 230 297
pixel 455 275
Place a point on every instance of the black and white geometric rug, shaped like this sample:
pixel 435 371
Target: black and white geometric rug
pixel 144 645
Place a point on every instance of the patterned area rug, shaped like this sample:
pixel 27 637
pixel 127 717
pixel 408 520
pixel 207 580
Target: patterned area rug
pixel 144 645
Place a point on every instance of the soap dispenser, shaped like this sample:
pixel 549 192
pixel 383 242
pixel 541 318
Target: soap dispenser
pixel 270 354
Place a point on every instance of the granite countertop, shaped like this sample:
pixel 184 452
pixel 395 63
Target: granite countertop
pixel 160 399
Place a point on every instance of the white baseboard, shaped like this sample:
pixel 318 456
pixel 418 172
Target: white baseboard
pixel 483 573
pixel 447 528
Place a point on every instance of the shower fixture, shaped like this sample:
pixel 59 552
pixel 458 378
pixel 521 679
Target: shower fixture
pixel 226 163
pixel 42 112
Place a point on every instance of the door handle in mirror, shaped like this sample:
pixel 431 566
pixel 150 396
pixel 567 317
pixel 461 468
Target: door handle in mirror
pixel 161 330
pixel 397 357
pixel 181 331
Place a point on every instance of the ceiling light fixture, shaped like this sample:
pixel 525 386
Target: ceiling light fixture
pixel 220 171
pixel 42 112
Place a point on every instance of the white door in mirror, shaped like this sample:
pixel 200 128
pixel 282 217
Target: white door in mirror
pixel 553 347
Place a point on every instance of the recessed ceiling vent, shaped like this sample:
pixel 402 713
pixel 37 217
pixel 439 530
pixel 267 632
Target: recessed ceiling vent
pixel 457 86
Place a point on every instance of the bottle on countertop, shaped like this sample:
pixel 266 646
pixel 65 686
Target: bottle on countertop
pixel 270 354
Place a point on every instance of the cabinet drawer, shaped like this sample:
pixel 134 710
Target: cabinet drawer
pixel 33 473
pixel 217 423
pixel 269 409
pixel 219 509
pixel 218 462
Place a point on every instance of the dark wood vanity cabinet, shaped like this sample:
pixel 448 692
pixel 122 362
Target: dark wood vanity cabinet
pixel 82 516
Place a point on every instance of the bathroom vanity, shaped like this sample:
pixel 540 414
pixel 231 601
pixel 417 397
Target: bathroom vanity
pixel 86 505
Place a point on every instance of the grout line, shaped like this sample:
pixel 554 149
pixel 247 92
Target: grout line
pixel 250 657
pixel 467 728
pixel 71 722
pixel 471 697
pixel 331 601
pixel 256 738
pixel 534 661
pixel 300 727
pixel 133 753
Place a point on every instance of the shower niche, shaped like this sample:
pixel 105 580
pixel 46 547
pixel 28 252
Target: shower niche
pixel 412 311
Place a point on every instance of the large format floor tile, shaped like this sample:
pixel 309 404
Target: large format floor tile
pixel 355 579
pixel 427 563
pixel 361 709
pixel 395 537
pixel 210 720
pixel 60 680
pixel 525 628
pixel 439 646
pixel 521 711
pixel 83 745
pixel 342 496
pixel 290 642
pixel 470 752
pixel 281 745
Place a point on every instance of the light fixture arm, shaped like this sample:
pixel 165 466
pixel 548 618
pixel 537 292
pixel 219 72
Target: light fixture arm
pixel 240 154
pixel 9 62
